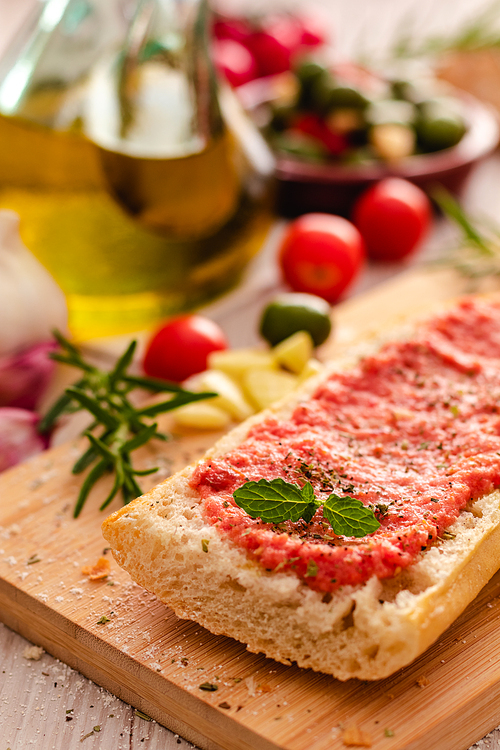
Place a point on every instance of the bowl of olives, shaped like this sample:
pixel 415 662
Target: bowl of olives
pixel 336 131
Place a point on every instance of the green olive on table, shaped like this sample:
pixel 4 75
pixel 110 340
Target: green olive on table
pixel 292 312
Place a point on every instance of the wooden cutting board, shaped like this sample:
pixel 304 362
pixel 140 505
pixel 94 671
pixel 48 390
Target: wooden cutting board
pixel 148 657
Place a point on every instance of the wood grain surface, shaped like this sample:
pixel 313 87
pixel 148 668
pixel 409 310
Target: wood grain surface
pixel 145 655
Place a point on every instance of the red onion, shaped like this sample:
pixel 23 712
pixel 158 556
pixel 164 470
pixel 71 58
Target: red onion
pixel 24 375
pixel 19 438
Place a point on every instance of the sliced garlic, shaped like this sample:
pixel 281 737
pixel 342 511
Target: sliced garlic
pixel 294 352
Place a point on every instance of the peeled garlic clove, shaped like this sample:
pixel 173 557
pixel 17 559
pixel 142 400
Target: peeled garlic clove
pixel 201 416
pixel 31 303
pixel 25 375
pixel 19 438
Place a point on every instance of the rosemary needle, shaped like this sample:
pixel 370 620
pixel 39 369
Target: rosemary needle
pixel 118 427
pixel 478 252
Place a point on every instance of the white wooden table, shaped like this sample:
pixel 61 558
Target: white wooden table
pixel 48 706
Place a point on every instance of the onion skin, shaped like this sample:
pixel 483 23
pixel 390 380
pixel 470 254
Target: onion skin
pixel 25 375
pixel 19 438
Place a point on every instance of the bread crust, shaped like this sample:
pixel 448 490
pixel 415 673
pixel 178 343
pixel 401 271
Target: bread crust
pixel 367 631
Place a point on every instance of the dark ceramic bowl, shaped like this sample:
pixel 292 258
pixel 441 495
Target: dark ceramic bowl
pixel 304 187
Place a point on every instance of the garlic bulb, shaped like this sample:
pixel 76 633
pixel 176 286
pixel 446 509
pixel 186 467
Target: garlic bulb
pixel 31 303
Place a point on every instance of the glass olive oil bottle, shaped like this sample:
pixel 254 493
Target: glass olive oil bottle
pixel 141 187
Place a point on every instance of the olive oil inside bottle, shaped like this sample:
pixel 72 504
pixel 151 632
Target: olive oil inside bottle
pixel 120 274
pixel 132 189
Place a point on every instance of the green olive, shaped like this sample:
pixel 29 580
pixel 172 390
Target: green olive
pixel 440 133
pixel 407 91
pixel 314 79
pixel 292 312
pixel 346 96
pixel 300 144
pixel 282 115
pixel 440 124
pixel 309 71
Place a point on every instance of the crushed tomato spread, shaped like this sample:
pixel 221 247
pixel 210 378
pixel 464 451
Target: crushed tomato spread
pixel 413 432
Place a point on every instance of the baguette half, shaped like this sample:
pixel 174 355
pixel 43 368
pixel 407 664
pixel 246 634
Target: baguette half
pixel 365 631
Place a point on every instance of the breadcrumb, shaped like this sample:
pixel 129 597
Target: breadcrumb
pixel 353 736
pixel 101 569
pixel 422 681
pixel 34 653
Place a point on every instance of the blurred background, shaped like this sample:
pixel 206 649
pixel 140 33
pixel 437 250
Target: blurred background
pixel 151 148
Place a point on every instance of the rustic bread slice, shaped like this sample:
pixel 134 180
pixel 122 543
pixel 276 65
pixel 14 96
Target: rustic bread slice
pixel 367 631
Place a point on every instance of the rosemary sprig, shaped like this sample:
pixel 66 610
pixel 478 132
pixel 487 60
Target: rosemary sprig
pixel 118 427
pixel 480 31
pixel 478 252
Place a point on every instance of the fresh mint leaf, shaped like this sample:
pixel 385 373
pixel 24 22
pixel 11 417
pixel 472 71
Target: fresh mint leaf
pixel 308 495
pixel 276 500
pixel 349 517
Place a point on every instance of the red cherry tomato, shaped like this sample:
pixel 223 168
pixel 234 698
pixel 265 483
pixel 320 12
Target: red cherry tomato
pixel 317 128
pixel 393 216
pixel 313 29
pixel 237 29
pixel 235 61
pixel 271 54
pixel 180 348
pixel 286 29
pixel 321 254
